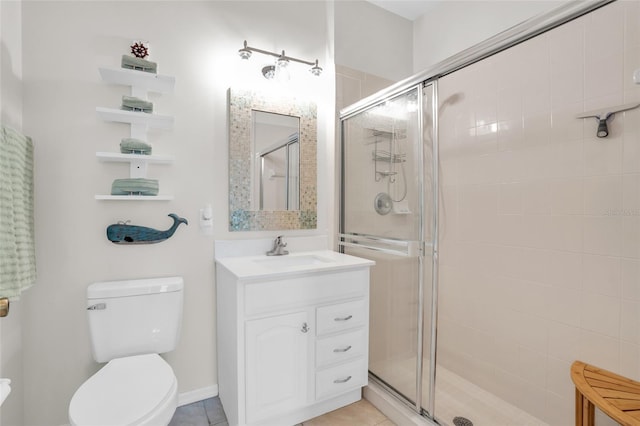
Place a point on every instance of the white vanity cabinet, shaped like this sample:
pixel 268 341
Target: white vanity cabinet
pixel 292 342
pixel 276 364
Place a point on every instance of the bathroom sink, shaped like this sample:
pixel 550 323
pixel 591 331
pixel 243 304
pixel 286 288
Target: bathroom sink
pixel 309 262
pixel 291 261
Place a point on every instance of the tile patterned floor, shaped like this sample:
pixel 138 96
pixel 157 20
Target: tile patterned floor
pixel 360 413
pixel 209 413
pixel 202 413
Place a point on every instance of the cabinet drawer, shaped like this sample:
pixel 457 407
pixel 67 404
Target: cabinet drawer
pixel 341 378
pixel 270 296
pixel 330 350
pixel 340 317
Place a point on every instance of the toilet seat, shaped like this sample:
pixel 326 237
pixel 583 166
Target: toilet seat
pixel 136 390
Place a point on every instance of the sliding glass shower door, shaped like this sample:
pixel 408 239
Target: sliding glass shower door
pixel 387 215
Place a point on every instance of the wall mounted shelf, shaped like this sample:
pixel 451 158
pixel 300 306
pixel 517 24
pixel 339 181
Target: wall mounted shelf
pixel 134 117
pixel 127 158
pixel 137 163
pixel 134 197
pixel 141 84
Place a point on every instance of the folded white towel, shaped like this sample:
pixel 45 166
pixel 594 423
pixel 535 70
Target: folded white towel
pixel 5 389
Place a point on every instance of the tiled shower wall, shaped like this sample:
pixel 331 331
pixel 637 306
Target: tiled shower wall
pixel 540 219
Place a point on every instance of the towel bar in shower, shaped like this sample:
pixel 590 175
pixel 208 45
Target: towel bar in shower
pixel 408 248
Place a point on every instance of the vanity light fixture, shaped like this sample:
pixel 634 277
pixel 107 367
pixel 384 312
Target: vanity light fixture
pixel 282 61
pixel 245 52
pixel 269 72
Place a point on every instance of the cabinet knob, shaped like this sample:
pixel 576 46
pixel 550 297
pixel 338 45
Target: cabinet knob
pixel 347 318
pixel 345 380
pixel 342 349
pixel 305 327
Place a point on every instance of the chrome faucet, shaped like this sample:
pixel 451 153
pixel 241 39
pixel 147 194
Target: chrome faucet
pixel 278 247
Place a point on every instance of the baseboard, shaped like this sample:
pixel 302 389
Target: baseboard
pixel 196 395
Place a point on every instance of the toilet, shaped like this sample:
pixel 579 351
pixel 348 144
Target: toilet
pixel 131 323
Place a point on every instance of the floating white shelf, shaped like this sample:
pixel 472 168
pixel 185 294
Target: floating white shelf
pixel 128 158
pixel 137 162
pixel 138 80
pixel 141 83
pixel 135 197
pixel 134 117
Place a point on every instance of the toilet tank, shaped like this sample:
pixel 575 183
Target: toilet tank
pixel 134 317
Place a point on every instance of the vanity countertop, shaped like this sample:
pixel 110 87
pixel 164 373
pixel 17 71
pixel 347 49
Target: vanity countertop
pixel 262 266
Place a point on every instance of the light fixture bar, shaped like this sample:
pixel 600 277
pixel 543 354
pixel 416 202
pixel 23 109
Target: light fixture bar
pixel 245 53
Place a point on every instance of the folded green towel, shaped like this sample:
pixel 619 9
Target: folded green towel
pixel 131 103
pixel 135 186
pixel 135 146
pixel 133 63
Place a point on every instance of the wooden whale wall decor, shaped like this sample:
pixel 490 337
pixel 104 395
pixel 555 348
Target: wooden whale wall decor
pixel 123 233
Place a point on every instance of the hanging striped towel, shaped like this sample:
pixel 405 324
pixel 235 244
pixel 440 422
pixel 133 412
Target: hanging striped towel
pixel 17 242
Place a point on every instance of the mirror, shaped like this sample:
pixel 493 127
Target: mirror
pixel 276 161
pixel 272 162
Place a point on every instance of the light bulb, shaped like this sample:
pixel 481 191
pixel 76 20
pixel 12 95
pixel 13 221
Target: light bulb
pixel 316 70
pixel 269 72
pixel 282 69
pixel 245 52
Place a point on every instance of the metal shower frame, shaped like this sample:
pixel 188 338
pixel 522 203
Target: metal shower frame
pixel 502 41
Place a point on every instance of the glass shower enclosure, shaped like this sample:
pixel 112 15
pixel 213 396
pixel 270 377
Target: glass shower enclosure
pixel 389 208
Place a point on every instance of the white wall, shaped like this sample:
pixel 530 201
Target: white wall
pixel 11 64
pixel 452 26
pixel 11 115
pixel 197 42
pixel 372 40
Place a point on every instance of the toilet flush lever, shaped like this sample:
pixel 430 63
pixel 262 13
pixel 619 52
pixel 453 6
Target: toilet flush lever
pixel 97 307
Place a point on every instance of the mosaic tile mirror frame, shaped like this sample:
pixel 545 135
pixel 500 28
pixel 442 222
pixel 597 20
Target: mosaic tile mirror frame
pixel 242 103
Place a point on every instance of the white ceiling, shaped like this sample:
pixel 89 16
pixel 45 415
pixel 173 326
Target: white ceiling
pixel 409 9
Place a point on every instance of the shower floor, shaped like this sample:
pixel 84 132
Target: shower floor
pixel 457 397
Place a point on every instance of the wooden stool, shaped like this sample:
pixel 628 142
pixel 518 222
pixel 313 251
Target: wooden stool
pixel 617 396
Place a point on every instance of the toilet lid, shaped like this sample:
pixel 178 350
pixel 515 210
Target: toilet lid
pixel 123 391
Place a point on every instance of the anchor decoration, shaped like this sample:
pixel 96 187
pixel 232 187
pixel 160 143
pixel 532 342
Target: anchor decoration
pixel 123 233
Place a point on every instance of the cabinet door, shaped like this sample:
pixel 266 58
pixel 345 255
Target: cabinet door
pixel 276 365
